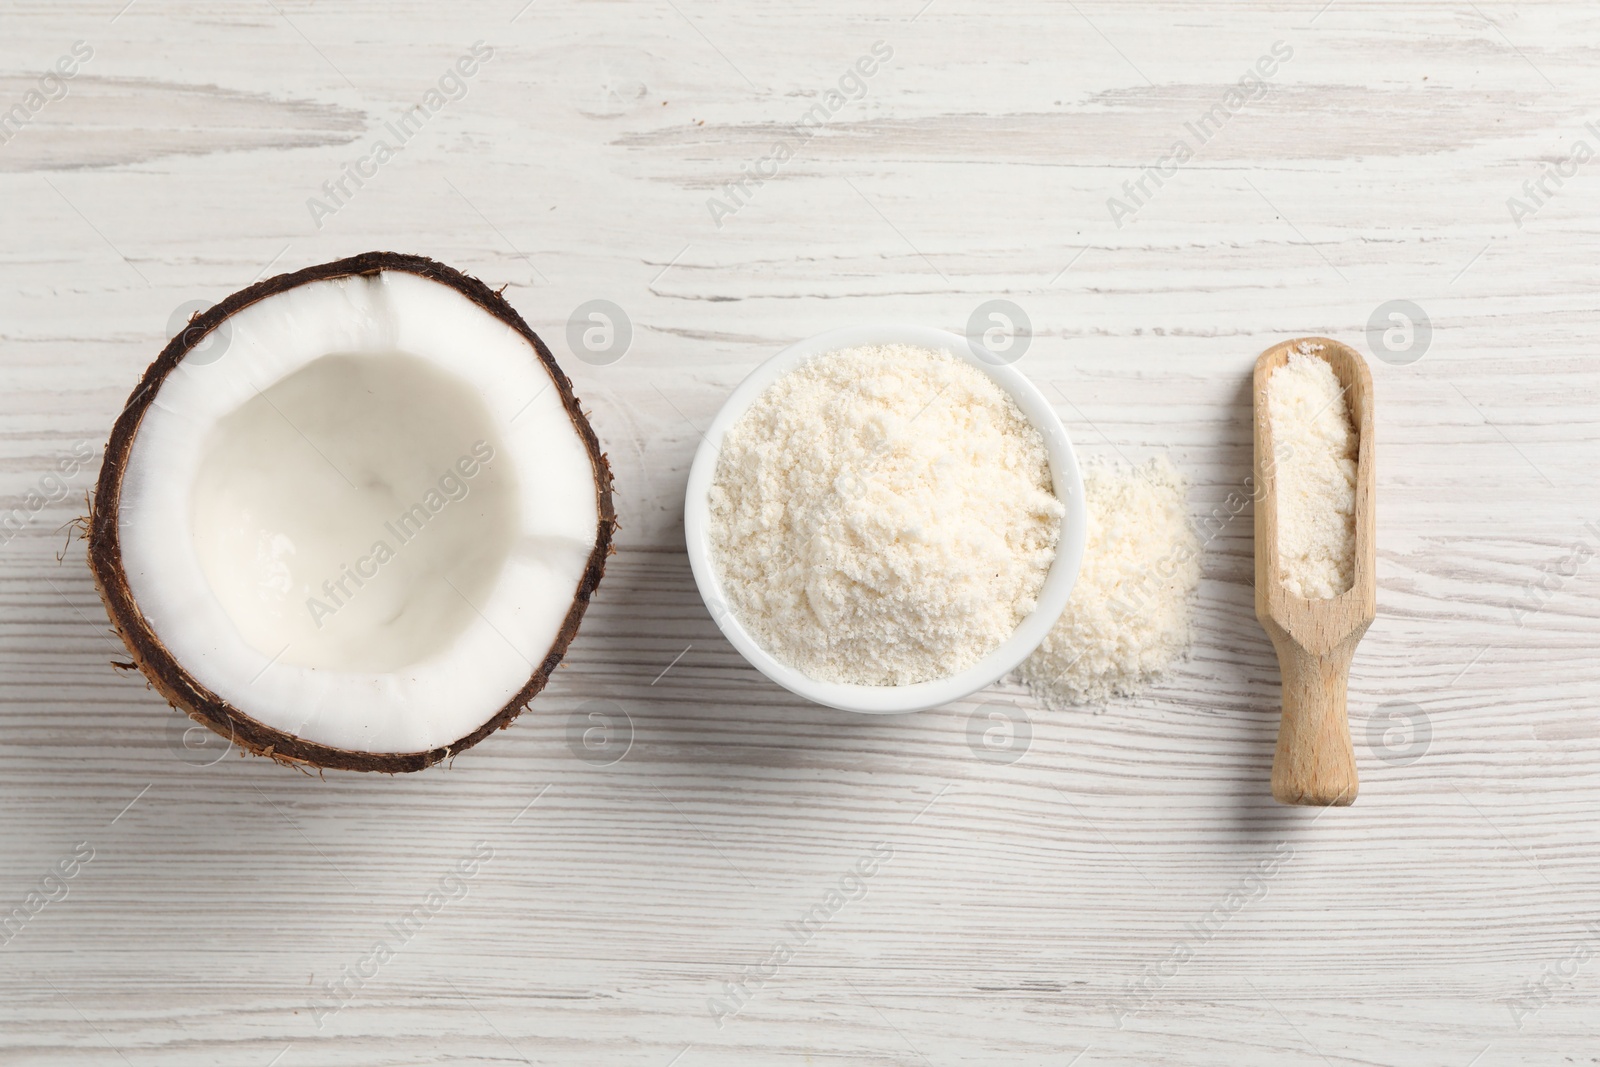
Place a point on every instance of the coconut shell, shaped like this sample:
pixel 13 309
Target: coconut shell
pixel 157 663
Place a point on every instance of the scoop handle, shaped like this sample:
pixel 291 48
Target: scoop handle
pixel 1315 762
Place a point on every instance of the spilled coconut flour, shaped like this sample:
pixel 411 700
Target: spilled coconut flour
pixel 1316 476
pixel 1128 619
pixel 883 515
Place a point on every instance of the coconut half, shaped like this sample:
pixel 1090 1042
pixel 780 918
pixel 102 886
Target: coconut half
pixel 352 516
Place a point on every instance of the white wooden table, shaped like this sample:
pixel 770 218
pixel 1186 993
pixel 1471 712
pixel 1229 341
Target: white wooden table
pixel 1128 867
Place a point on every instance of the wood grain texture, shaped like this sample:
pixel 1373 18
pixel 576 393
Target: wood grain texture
pixel 1130 867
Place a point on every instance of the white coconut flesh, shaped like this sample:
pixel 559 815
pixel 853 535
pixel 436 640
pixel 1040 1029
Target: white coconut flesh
pixel 365 523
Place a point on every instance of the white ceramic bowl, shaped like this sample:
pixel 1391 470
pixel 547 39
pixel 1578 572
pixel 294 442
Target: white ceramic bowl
pixel 891 699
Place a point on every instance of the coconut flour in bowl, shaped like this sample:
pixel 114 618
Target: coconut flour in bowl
pixel 883 515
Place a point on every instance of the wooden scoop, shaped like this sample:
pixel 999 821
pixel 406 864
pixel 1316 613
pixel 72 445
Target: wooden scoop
pixel 1315 639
